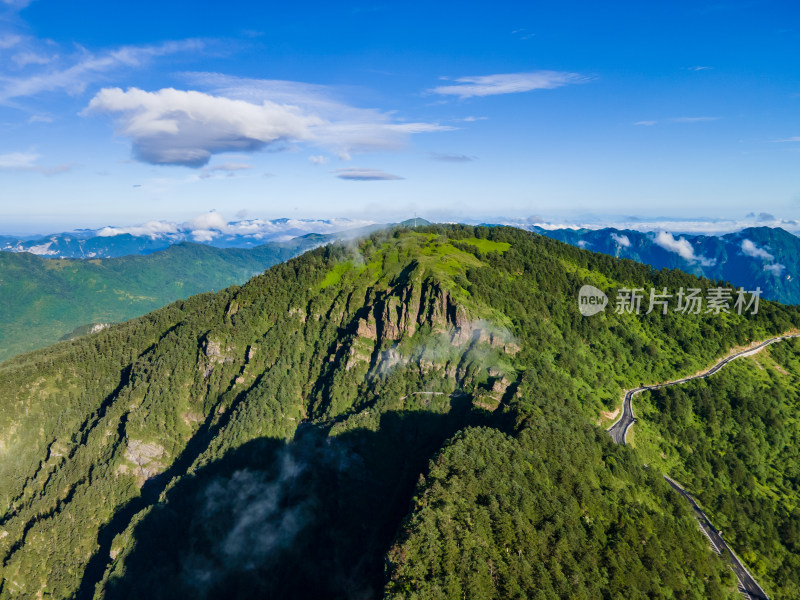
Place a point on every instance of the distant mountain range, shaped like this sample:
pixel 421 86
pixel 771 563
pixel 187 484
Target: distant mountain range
pixel 763 257
pixel 210 229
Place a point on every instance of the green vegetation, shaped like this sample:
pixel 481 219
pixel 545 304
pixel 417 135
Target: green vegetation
pixel 485 245
pixel 334 276
pixel 734 441
pixel 556 512
pixel 268 439
pixel 43 300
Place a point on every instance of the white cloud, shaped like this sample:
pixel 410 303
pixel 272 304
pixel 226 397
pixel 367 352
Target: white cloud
pixel 87 67
pixel 682 248
pixel 31 58
pixel 508 83
pixel 9 40
pixel 523 34
pixel 706 226
pixel 650 123
pixel 472 119
pixel 152 229
pixel 621 240
pixel 693 119
pixel 213 224
pixel 750 249
pixel 204 235
pixel 27 161
pixel 318 159
pixel 775 269
pixel 344 128
pixel 699 68
pixel 362 174
pixel 260 228
pixel 187 127
pixel 18 160
pixel 449 157
pixel 40 119
pixel 210 220
pixel 790 139
pixel 42 249
pixel 229 169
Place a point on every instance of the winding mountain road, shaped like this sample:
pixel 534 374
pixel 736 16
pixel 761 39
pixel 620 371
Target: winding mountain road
pixel 619 432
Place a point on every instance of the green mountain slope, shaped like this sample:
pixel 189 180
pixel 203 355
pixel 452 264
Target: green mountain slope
pixel 268 439
pixel 553 513
pixel 43 300
pixel 734 440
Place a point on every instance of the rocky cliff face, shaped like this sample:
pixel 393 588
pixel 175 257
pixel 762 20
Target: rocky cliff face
pixel 401 311
pixel 423 327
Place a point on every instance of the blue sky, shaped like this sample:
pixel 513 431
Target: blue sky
pixel 165 110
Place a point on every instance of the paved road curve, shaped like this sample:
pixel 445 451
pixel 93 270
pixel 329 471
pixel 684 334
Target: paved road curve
pixel 619 431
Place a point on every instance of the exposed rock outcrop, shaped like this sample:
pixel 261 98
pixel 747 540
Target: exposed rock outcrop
pixel 146 456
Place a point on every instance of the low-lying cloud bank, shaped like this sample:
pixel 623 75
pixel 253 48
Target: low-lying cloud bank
pixel 211 225
pixel 705 226
pixel 621 240
pixel 750 249
pixel 682 248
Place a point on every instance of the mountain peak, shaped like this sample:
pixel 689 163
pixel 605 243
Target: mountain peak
pixel 414 222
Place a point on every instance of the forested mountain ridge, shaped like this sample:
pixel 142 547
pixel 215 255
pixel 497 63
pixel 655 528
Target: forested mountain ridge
pixel 268 438
pixel 210 229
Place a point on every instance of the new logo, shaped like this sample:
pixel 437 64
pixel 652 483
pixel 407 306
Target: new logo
pixel 591 300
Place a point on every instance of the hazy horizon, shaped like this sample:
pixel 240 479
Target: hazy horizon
pixel 244 223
